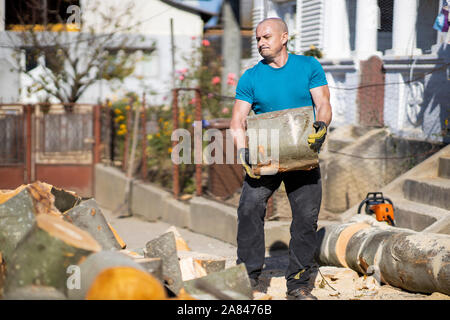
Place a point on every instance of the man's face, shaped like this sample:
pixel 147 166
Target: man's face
pixel 270 39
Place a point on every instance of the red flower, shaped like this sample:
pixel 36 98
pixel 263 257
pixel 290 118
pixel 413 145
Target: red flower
pixel 206 43
pixel 215 80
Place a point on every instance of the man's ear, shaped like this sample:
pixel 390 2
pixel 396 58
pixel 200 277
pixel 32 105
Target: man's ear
pixel 285 38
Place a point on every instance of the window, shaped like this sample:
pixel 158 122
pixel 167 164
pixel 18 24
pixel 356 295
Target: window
pixel 32 12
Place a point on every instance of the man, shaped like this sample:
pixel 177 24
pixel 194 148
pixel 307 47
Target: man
pixel 280 81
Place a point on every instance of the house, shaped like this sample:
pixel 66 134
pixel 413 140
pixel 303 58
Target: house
pixel 385 64
pixel 151 30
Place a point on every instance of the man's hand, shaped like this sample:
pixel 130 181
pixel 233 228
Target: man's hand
pixel 315 140
pixel 244 156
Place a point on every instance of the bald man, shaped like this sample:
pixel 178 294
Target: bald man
pixel 279 81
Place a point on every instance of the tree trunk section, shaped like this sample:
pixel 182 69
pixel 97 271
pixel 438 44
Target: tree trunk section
pixel 417 262
pixel 47 250
pixel 18 209
pixel 92 268
pixel 88 217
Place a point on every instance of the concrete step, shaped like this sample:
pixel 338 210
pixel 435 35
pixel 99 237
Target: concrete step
pixel 444 167
pixel 416 216
pixel 433 191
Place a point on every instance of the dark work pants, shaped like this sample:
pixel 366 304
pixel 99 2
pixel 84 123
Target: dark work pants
pixel 304 191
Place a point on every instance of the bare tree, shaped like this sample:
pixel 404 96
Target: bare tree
pixel 75 47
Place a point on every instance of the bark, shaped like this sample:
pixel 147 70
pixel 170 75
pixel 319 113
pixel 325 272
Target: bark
pixel 291 151
pixel 164 247
pixel 18 210
pixel 417 262
pixel 88 217
pixel 43 256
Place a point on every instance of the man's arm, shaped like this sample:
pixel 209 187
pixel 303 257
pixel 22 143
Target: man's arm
pixel 321 98
pixel 237 126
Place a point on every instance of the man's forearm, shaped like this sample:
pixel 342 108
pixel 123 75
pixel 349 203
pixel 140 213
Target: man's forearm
pixel 324 113
pixel 238 133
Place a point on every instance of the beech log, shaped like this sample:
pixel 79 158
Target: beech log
pixel 18 209
pixel 46 251
pixel 417 262
pixel 88 217
pixel 91 273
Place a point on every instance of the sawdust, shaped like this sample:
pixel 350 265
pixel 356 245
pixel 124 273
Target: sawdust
pixel 340 284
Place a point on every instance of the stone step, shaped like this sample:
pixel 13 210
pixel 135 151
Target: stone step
pixel 416 216
pixel 444 167
pixel 433 191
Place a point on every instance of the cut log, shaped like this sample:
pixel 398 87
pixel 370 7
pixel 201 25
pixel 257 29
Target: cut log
pixel 94 265
pixel 232 282
pixel 403 258
pixel 47 250
pixel 210 263
pixel 191 269
pixel 35 293
pixel 65 199
pixel 125 283
pixel 18 211
pixel 88 217
pixel 164 247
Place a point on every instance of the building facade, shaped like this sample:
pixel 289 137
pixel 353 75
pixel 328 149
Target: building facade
pixel 151 27
pixel 385 63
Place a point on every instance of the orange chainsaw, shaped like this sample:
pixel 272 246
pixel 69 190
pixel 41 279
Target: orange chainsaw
pixel 380 206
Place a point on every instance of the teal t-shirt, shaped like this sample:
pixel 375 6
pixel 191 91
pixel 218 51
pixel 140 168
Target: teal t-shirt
pixel 270 89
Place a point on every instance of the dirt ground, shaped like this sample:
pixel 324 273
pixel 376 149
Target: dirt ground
pixel 339 283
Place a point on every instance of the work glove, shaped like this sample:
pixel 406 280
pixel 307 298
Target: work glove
pixel 244 156
pixel 315 140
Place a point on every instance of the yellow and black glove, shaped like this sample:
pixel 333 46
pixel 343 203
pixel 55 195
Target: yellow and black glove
pixel 244 156
pixel 315 140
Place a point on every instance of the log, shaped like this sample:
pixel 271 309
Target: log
pixel 91 273
pixel 47 250
pixel 210 263
pixel 125 283
pixel 18 210
pixel 191 269
pixel 88 217
pixel 232 282
pixel 417 262
pixel 164 247
pixel 290 150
